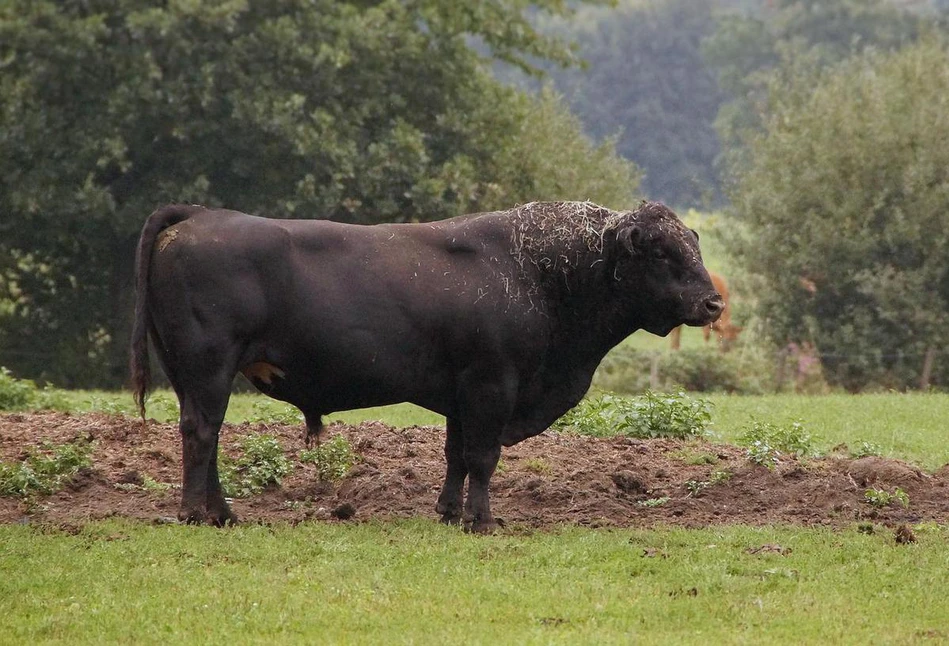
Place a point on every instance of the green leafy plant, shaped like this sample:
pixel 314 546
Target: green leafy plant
pixel 267 412
pixel 45 470
pixel 333 458
pixel 15 394
pixel 647 416
pixel 696 487
pixel 767 444
pixel 166 406
pixel 865 449
pixel 261 464
pixel 883 498
pixel 719 476
pixel 654 502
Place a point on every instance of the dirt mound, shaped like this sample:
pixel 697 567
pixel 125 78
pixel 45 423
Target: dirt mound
pixel 544 481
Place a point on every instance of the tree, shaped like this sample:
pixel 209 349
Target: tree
pixel 846 206
pixel 747 47
pixel 361 111
pixel 645 83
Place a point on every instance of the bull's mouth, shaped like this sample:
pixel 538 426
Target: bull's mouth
pixel 706 312
pixel 700 322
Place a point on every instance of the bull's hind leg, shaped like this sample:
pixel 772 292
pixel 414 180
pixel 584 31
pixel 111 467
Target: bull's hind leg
pixel 452 496
pixel 202 413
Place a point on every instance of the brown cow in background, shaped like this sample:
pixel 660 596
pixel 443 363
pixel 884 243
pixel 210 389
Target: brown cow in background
pixel 727 332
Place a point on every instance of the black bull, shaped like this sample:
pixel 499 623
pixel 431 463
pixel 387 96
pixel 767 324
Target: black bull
pixel 495 320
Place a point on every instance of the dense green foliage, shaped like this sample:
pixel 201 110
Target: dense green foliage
pixel 646 416
pixel 261 462
pixel 768 443
pixel 44 471
pixel 629 370
pixel 846 205
pixel 333 458
pixel 15 394
pixel 359 111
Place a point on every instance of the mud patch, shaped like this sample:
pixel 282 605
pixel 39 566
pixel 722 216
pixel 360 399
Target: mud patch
pixel 584 481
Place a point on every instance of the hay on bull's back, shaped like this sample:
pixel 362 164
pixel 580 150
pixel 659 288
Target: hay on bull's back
pixel 552 235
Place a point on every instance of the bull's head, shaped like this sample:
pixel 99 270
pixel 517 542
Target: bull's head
pixel 658 269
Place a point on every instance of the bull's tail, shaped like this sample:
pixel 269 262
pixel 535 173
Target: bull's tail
pixel 139 368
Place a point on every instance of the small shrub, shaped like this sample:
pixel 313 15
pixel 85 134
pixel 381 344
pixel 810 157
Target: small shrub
pixel 767 443
pixel 653 502
pixel 166 406
pixel 261 463
pixel 624 370
pixel 647 416
pixel 702 370
pixel 333 458
pixel 627 370
pixel 719 476
pixel 44 470
pixel 15 394
pixel 51 398
pixel 865 449
pixel 696 487
pixel 270 412
pixel 883 498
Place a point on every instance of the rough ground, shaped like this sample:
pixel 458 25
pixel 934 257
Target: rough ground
pixel 545 481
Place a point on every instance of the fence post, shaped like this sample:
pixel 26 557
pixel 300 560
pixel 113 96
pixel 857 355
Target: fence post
pixel 928 359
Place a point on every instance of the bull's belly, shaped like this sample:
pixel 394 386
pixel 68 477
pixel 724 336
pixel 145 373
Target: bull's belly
pixel 323 391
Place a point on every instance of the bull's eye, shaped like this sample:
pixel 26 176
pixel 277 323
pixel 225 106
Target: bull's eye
pixel 658 253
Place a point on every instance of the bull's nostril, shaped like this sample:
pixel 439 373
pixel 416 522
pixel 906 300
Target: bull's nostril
pixel 715 305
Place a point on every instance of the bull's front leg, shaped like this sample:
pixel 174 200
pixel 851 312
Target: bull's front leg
pixel 452 496
pixel 486 399
pixel 482 452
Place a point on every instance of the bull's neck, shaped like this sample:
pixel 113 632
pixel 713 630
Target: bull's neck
pixel 592 321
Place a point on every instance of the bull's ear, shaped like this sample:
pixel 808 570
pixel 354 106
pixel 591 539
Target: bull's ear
pixel 631 237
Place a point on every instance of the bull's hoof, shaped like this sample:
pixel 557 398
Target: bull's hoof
pixel 489 526
pixel 191 516
pixel 217 518
pixel 450 511
pixel 450 519
pixel 222 519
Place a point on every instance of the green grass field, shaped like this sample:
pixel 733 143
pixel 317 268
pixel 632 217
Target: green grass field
pixel 416 582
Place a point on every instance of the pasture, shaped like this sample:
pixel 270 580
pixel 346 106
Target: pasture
pixel 418 582
pixel 414 581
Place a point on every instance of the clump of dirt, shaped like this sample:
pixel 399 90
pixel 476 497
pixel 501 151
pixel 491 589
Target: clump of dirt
pixel 616 482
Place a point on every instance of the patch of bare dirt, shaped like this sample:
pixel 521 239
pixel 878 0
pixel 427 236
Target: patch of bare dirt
pixel 544 481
